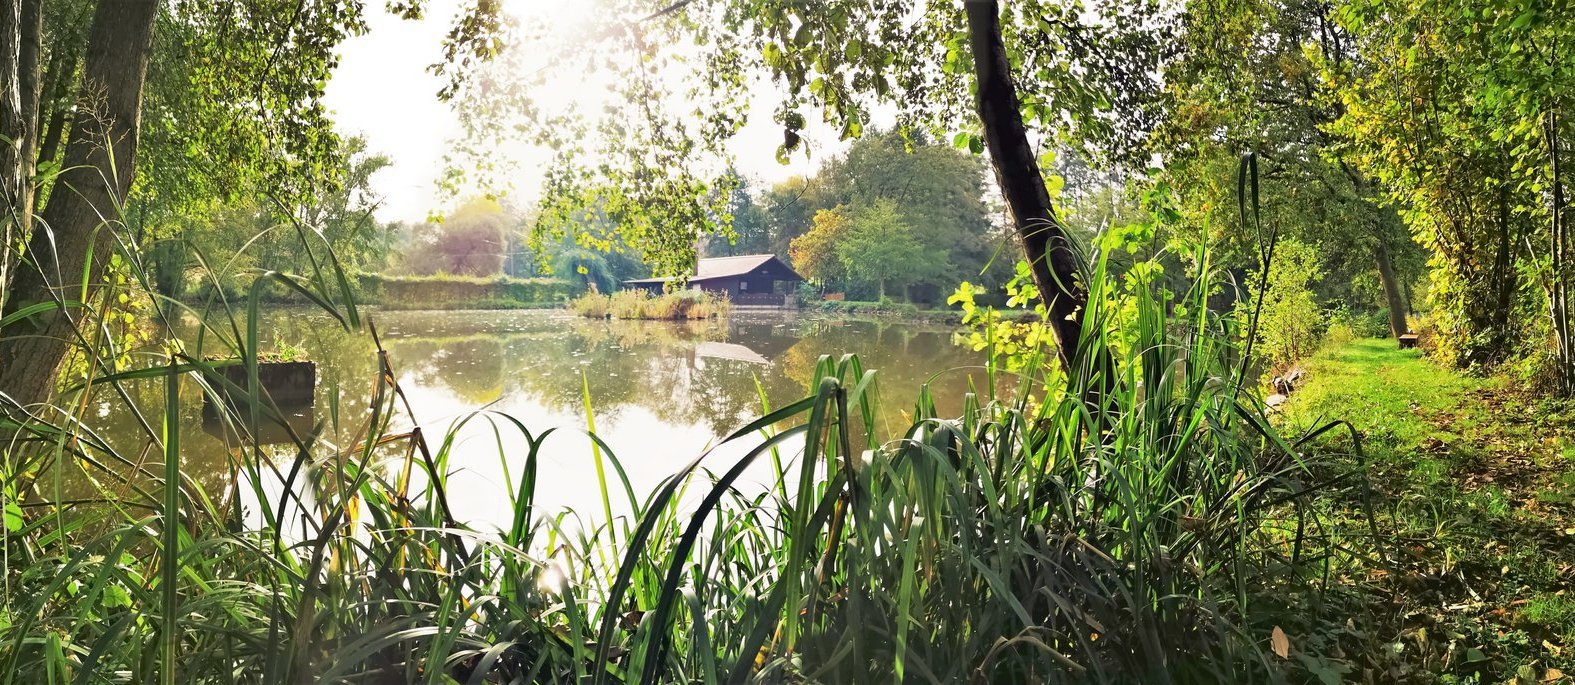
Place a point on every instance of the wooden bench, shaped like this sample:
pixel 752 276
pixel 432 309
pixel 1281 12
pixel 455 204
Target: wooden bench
pixel 1408 341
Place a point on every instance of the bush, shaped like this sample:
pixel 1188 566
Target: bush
pixel 1291 324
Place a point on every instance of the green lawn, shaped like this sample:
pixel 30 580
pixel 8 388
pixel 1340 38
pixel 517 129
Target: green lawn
pixel 1472 485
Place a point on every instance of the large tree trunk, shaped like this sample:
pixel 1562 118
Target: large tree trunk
pixel 98 167
pixel 28 78
pixel 1051 254
pixel 1392 294
pixel 13 131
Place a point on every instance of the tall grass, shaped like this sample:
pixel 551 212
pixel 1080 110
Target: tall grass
pixel 1037 537
pixel 639 304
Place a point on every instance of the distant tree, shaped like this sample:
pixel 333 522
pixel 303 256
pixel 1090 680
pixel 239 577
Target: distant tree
pixel 751 231
pixel 880 248
pixel 789 210
pixel 469 242
pixel 937 191
pixel 814 254
pixel 585 268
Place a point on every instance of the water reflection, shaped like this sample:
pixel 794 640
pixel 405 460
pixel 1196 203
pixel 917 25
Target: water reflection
pixel 659 392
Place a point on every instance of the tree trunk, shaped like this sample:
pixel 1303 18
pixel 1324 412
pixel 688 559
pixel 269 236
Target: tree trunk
pixel 28 78
pixel 1392 296
pixel 1051 254
pixel 12 131
pixel 98 167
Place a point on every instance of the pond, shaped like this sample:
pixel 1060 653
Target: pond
pixel 660 393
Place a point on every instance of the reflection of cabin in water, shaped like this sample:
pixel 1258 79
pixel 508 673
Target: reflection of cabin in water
pixel 759 279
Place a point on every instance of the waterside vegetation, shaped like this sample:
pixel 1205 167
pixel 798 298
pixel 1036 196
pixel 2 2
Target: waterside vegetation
pixel 641 304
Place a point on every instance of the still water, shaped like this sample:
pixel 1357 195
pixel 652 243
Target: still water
pixel 660 393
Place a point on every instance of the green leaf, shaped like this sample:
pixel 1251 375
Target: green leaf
pixel 12 516
pixel 803 35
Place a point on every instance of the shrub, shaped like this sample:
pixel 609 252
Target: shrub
pixel 1291 323
pixel 591 306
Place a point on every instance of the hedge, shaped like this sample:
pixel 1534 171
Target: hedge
pixel 462 292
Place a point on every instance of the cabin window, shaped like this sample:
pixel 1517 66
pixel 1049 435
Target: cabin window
pixel 743 286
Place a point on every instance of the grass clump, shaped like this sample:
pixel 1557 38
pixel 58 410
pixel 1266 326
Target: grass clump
pixel 639 304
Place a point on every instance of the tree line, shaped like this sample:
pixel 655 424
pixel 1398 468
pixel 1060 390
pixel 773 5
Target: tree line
pixel 1418 146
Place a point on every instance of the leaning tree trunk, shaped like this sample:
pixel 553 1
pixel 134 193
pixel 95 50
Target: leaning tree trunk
pixel 98 166
pixel 1051 254
pixel 1391 285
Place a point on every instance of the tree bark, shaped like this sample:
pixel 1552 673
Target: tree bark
pixel 12 132
pixel 99 164
pixel 54 106
pixel 1392 294
pixel 28 78
pixel 1052 256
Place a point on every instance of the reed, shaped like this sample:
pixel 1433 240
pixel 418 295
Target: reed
pixel 1023 541
pixel 1035 537
pixel 639 304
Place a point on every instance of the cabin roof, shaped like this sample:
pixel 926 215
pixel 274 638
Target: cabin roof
pixel 711 268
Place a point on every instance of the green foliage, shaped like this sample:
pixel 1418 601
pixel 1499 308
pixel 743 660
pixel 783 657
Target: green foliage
pixel 934 190
pixel 751 228
pixel 472 241
pixel 1460 114
pixel 234 104
pixel 881 248
pixel 1123 555
pixel 234 241
pixel 1266 76
pixel 1291 323
pixel 585 268
pixel 443 291
pixel 814 253
pixel 1016 336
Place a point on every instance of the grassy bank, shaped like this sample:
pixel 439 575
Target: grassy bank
pixel 1473 496
pixel 900 311
pixel 639 304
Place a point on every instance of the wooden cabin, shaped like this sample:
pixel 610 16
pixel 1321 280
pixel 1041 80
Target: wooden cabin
pixel 758 279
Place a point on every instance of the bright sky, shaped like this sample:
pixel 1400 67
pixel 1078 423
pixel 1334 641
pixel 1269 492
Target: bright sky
pixel 383 92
